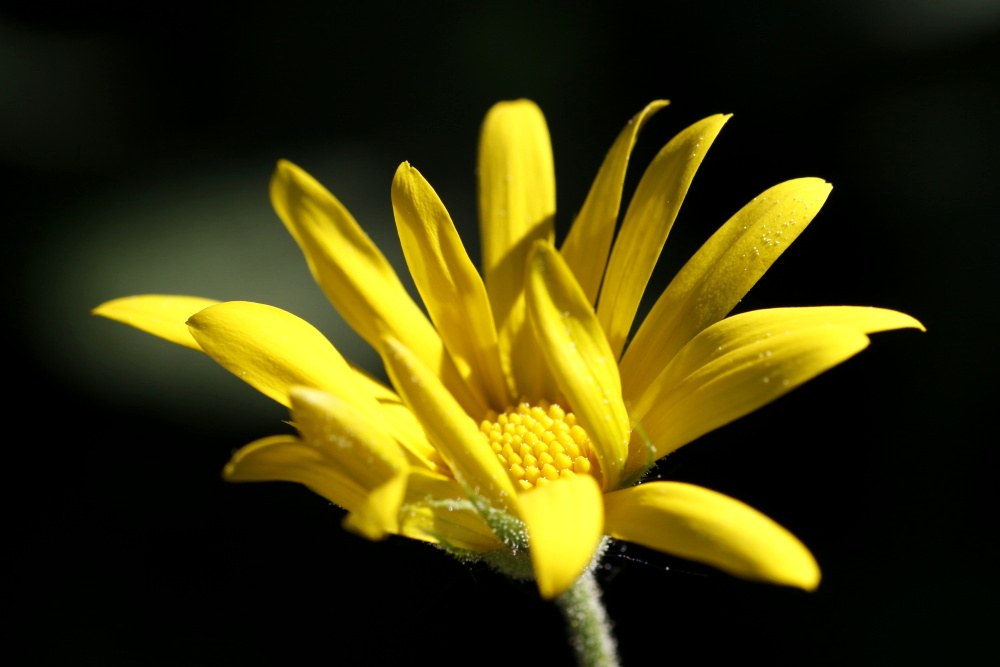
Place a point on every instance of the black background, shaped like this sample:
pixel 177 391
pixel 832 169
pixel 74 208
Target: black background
pixel 135 149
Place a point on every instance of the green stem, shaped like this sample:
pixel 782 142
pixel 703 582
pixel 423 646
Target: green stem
pixel 587 623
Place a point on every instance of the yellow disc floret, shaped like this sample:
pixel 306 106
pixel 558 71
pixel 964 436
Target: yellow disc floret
pixel 538 443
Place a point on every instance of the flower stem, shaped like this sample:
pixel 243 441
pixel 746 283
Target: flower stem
pixel 587 623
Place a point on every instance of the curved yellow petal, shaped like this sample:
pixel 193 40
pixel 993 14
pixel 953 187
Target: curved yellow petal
pixel 577 352
pixel 565 521
pixel 355 276
pixel 517 205
pixel 361 448
pixel 379 513
pixel 708 527
pixel 450 525
pixel 438 511
pixel 286 458
pixel 449 285
pixel 401 422
pixel 273 351
pixel 159 314
pixel 755 326
pixel 647 222
pixel 586 247
pixel 449 428
pixel 715 279
pixel 342 454
pixel 742 380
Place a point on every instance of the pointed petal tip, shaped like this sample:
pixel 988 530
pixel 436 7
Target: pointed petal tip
pixel 917 324
pixel 901 320
pixel 159 314
pixel 404 168
pixel 708 527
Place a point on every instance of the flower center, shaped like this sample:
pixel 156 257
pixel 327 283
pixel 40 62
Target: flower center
pixel 538 443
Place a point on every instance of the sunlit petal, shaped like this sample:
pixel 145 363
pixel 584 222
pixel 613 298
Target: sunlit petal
pixel 161 315
pixel 742 380
pixel 438 511
pixel 449 428
pixel 708 527
pixel 355 276
pixel 517 204
pixel 565 520
pixel 361 448
pixel 447 281
pixel 578 354
pixel 756 326
pixel 720 274
pixel 378 515
pixel 589 241
pixel 400 421
pixel 273 351
pixel 647 222
pixel 288 459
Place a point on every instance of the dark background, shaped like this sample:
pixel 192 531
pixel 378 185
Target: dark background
pixel 135 151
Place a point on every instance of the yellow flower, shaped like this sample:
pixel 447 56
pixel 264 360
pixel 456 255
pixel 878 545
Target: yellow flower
pixel 518 416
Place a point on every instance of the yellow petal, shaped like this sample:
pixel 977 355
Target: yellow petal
pixel 358 465
pixel 578 354
pixel 449 284
pixel 158 314
pixel 379 513
pixel 449 428
pixel 647 222
pixel 758 326
pixel 719 275
pixel 565 520
pixel 288 459
pixel 355 276
pixel 359 447
pixel 743 379
pixel 586 247
pixel 708 527
pixel 273 350
pixel 438 511
pixel 400 421
pixel 517 204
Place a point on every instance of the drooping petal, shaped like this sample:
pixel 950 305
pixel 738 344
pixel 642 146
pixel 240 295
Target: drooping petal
pixel 577 352
pixel 449 524
pixel 288 459
pixel 161 315
pixel 740 381
pixel 378 515
pixel 647 222
pixel 517 204
pixel 708 527
pixel 720 274
pixel 273 351
pixel 359 447
pixel 356 277
pixel 449 428
pixel 565 520
pixel 451 288
pixel 437 511
pixel 589 241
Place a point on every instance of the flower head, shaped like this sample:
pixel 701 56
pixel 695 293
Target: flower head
pixel 520 418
